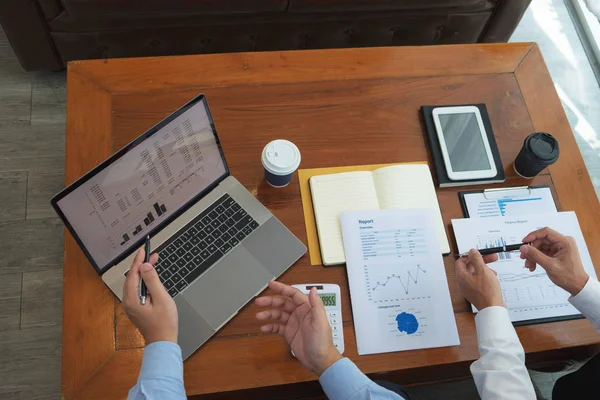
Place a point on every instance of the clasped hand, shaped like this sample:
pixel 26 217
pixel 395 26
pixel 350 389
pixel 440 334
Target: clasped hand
pixel 556 254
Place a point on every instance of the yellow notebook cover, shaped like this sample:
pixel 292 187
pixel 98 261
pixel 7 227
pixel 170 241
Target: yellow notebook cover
pixel 309 215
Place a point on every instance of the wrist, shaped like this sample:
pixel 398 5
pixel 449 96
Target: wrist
pixel 578 284
pixel 169 337
pixel 330 358
pixel 485 303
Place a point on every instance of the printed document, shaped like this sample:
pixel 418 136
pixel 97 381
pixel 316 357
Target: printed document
pixel 398 286
pixel 510 202
pixel 528 295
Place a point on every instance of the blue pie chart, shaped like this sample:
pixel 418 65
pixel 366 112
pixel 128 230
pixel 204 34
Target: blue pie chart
pixel 407 323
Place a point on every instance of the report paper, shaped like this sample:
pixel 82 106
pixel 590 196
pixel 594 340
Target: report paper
pixel 528 295
pixel 398 286
pixel 510 202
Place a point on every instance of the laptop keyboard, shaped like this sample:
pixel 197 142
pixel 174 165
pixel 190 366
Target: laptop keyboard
pixel 202 242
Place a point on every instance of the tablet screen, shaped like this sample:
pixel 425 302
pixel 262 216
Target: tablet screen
pixel 464 142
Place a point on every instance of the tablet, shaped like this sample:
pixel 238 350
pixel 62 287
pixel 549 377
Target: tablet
pixel 463 142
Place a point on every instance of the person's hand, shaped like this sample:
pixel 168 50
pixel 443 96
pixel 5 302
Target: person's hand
pixel 558 255
pixel 477 282
pixel 157 319
pixel 302 321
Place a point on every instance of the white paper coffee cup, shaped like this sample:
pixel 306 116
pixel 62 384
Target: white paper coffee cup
pixel 280 158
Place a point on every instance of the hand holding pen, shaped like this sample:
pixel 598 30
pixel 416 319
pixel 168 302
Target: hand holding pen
pixel 496 250
pixel 157 319
pixel 143 289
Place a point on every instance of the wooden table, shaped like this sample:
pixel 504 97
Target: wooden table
pixel 341 107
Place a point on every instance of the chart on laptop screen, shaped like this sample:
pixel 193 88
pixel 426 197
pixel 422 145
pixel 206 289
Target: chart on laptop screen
pixel 128 198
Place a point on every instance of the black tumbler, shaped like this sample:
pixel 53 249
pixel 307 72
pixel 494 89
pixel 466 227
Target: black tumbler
pixel 539 150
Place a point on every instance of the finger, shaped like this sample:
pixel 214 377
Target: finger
pixel 316 304
pixel 534 256
pixel 530 264
pixel 275 314
pixel 276 301
pixel 475 260
pixel 490 258
pixel 273 328
pixel 132 280
pixel 461 261
pixel 153 258
pixel 546 233
pixel 494 271
pixel 139 257
pixel 531 267
pixel 297 296
pixel 462 275
pixel 153 283
pixel 460 268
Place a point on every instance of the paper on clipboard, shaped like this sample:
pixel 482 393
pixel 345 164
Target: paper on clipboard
pixel 528 295
pixel 509 202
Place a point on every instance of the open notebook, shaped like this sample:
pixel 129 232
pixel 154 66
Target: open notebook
pixel 398 186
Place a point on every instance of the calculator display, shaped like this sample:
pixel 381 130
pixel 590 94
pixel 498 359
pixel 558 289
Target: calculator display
pixel 328 299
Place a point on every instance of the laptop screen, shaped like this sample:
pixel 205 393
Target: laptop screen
pixel 139 188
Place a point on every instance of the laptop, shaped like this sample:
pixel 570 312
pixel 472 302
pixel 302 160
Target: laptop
pixel 218 246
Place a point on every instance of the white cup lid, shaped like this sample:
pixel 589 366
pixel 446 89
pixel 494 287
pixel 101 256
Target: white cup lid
pixel 281 157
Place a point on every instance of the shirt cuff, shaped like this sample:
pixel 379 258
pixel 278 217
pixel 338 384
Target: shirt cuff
pixel 494 323
pixel 588 300
pixel 162 360
pixel 342 379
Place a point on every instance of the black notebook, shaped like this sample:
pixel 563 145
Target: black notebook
pixel 436 152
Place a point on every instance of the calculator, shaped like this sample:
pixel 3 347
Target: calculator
pixel 331 296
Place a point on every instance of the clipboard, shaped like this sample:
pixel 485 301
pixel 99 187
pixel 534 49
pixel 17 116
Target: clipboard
pixel 519 191
pixel 496 193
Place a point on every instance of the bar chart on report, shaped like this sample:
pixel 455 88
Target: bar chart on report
pixel 486 242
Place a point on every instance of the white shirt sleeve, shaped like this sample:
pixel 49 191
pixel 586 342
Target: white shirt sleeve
pixel 500 372
pixel 588 302
pixel 344 381
pixel 594 7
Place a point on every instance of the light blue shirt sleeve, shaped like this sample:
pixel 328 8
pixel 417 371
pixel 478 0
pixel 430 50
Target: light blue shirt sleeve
pixel 344 381
pixel 161 376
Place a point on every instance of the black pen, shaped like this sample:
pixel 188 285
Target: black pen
pixel 146 259
pixel 501 249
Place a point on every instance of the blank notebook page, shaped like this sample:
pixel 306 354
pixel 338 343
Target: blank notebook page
pixel 333 194
pixel 410 186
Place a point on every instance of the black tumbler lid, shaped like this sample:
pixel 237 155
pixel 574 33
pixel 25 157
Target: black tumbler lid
pixel 543 146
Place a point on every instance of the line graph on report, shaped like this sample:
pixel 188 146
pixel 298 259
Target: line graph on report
pixel 534 288
pixel 510 277
pixel 386 283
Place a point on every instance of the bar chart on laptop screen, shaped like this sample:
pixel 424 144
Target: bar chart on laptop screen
pixel 138 191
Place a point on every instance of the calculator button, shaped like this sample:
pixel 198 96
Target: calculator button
pixel 333 321
pixel 332 314
pixel 334 328
pixel 336 334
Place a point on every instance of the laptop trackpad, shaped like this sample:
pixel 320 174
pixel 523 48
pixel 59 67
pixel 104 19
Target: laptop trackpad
pixel 227 286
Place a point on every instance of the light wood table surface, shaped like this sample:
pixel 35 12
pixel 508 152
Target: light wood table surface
pixel 341 107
